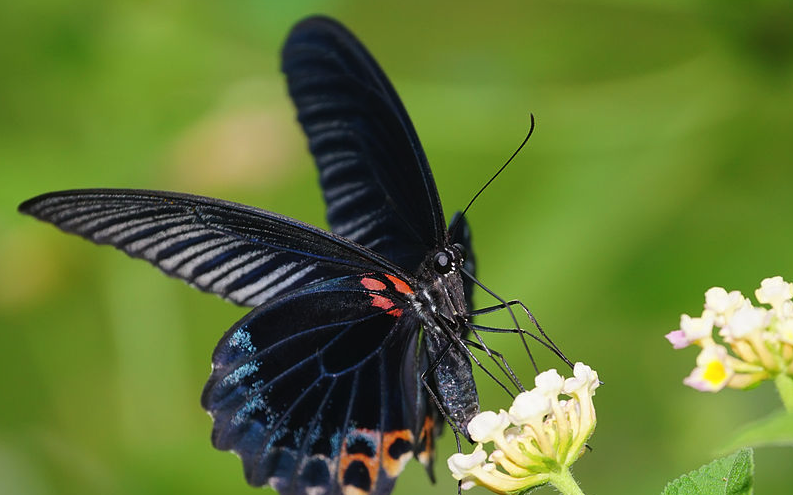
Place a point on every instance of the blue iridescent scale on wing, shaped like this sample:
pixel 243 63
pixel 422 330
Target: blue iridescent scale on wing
pixel 318 389
pixel 318 393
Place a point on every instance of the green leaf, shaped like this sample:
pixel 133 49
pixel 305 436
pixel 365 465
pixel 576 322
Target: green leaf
pixel 731 475
pixel 774 430
pixel 784 385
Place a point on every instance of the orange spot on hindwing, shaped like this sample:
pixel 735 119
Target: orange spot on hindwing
pixel 359 462
pixel 397 451
pixel 427 441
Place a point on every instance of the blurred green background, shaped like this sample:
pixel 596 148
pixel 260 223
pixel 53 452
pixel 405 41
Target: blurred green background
pixel 661 166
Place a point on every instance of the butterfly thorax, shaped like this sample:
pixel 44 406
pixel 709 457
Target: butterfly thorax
pixel 441 306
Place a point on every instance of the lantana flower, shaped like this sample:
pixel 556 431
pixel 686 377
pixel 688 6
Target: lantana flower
pixel 536 441
pixel 754 343
pixel 713 370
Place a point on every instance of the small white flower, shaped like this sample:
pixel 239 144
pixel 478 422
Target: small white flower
pixel 774 291
pixel 467 484
pixel 584 377
pixel 784 330
pixel 529 407
pixel 696 328
pixel 461 465
pixel 545 435
pixel 745 320
pixel 487 425
pixel 786 311
pixel 678 339
pixel 758 342
pixel 512 433
pixel 712 372
pixel 549 383
pixel 721 302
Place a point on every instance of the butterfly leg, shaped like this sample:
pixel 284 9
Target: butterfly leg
pixel 549 346
pixel 508 372
pixel 508 307
pixel 516 302
pixel 503 365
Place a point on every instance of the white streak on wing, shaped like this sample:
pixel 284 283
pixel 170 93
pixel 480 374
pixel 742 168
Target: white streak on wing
pixel 267 294
pixel 84 212
pixel 267 280
pixel 186 270
pixel 338 204
pixel 208 278
pixel 89 220
pixel 165 239
pixel 316 490
pixel 340 189
pixel 340 163
pixel 361 225
pixel 364 229
pixel 119 231
pixel 245 268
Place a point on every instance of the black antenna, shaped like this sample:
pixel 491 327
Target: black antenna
pixel 531 130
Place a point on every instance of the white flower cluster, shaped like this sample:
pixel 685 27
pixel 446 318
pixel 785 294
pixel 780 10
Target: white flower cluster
pixel 540 435
pixel 757 341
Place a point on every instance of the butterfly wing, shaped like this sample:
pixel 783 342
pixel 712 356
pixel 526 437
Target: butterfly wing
pixel 307 387
pixel 241 253
pixel 375 177
pixel 317 389
pixel 304 388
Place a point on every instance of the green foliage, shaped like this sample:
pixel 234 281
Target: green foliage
pixel 774 430
pixel 731 475
pixel 660 167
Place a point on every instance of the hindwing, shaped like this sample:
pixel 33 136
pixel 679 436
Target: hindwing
pixel 306 388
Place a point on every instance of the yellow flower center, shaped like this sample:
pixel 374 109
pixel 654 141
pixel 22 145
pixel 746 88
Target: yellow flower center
pixel 714 372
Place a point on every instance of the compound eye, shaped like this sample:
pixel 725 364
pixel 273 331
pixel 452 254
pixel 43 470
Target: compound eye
pixel 460 249
pixel 442 262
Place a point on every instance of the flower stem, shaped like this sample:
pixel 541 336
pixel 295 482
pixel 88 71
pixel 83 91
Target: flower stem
pixel 784 385
pixel 564 482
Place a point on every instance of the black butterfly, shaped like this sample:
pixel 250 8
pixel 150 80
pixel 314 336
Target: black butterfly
pixel 321 388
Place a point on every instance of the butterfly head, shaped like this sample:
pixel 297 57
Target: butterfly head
pixel 449 259
pixel 440 276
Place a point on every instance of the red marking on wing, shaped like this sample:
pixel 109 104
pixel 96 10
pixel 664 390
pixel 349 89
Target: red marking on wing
pixel 381 302
pixel 372 284
pixel 399 284
pixel 396 312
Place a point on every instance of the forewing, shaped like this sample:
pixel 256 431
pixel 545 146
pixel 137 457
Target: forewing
pixel 376 180
pixel 307 389
pixel 243 254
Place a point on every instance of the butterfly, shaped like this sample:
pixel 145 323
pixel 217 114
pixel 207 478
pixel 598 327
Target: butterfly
pixel 351 356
